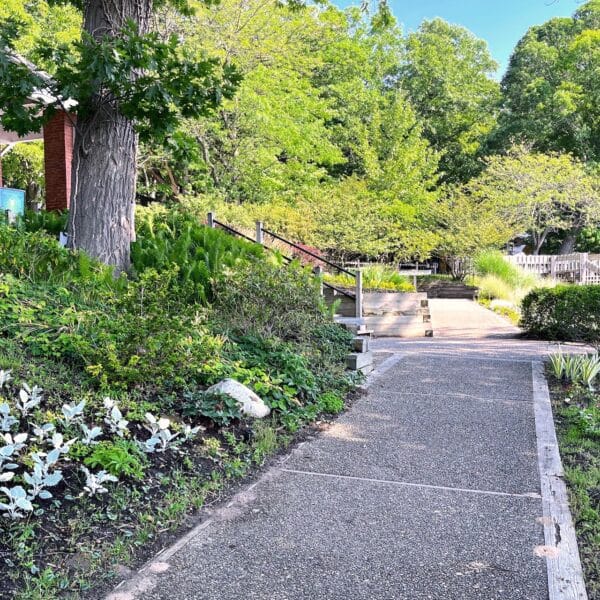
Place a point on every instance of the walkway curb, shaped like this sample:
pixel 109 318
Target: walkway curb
pixel 565 575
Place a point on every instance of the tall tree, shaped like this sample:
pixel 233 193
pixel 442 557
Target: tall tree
pixel 447 74
pixel 551 90
pixel 126 81
pixel 539 193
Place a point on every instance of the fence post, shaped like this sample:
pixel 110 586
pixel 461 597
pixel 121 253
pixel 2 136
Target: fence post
pixel 318 271
pixel 553 267
pixel 359 294
pixel 583 258
pixel 210 219
pixel 259 232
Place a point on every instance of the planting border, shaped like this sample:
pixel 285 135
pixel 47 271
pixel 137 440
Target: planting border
pixel 565 575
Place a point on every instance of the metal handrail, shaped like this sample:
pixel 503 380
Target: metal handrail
pixel 298 247
pixel 340 290
pixel 235 232
pixel 287 258
pixel 247 237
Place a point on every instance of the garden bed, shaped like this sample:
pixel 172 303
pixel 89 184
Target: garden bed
pixel 92 543
pixel 125 442
pixel 577 420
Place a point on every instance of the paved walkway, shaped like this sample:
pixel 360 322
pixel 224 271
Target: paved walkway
pixel 427 488
pixel 467 319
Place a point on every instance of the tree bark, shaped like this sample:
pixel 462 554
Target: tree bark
pixel 568 244
pixel 101 216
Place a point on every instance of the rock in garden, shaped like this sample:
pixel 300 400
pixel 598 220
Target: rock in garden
pixel 250 404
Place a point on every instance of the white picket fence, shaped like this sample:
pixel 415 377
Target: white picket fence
pixel 579 267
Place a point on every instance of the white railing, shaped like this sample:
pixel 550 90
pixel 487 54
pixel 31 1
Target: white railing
pixel 579 267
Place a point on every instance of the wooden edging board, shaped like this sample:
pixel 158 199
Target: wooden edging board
pixel 565 575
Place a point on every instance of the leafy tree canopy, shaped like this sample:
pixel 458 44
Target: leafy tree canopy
pixel 538 193
pixel 551 90
pixel 447 74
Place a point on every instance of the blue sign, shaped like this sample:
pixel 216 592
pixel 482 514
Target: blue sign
pixel 13 200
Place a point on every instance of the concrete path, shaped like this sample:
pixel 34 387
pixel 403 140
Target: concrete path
pixel 467 319
pixel 427 488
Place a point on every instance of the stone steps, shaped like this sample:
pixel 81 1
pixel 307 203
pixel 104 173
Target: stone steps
pixel 450 290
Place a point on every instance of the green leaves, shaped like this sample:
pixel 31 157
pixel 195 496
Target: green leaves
pixel 153 81
pixel 551 90
pixel 447 74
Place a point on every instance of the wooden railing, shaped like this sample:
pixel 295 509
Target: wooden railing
pixel 579 267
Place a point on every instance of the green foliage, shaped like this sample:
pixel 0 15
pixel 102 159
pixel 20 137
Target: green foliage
pixel 53 222
pixel 469 225
pixel 492 287
pixel 264 442
pixel 23 168
pixel 375 277
pixel 176 82
pixel 577 418
pixel 498 279
pixel 585 422
pixel 551 90
pixel 494 263
pixel 219 408
pixel 344 166
pixel 576 368
pixel 447 73
pixel 566 313
pixel 538 193
pixel 331 403
pixel 167 239
pixel 122 458
pixel 37 257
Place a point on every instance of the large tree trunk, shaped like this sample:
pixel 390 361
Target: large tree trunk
pixel 568 244
pixel 101 216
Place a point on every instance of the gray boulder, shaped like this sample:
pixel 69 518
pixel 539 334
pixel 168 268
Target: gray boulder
pixel 251 405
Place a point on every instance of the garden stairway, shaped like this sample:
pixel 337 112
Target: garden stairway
pixel 450 290
pixel 386 314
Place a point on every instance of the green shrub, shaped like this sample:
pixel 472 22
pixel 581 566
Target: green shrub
pixel 38 257
pixel 219 408
pixel 120 458
pixel 141 337
pixel 331 403
pixel 168 237
pixel 566 312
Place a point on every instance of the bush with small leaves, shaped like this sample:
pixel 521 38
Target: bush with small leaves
pixel 331 403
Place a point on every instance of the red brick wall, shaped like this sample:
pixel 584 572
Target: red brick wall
pixel 58 153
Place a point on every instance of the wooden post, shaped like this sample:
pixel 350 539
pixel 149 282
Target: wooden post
pixel 359 294
pixel 210 219
pixel 553 267
pixel 318 271
pixel 583 258
pixel 259 232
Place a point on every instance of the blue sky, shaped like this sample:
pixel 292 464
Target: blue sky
pixel 500 22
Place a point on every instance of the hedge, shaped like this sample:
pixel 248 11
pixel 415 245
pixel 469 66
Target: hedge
pixel 568 313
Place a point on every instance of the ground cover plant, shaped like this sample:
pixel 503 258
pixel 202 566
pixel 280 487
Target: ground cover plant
pixel 576 406
pixel 109 441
